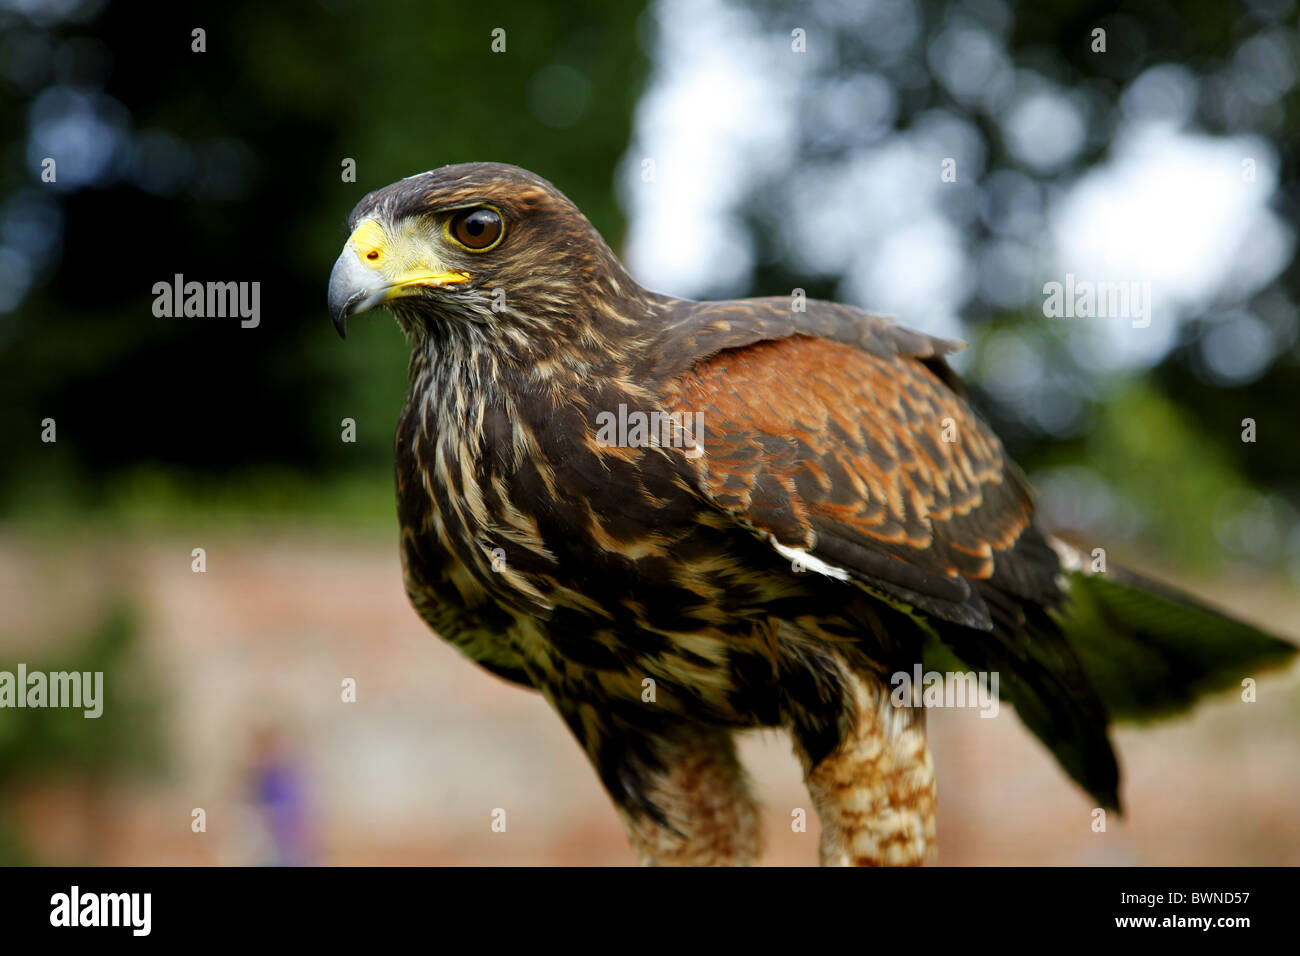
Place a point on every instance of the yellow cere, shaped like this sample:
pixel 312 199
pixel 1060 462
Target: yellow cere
pixel 407 260
pixel 368 241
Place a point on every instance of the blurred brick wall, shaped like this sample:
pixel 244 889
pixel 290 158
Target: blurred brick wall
pixel 411 772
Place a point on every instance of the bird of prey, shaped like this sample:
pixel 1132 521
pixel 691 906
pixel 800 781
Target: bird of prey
pixel 679 519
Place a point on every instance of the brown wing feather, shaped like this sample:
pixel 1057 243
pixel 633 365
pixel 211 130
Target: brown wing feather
pixel 843 452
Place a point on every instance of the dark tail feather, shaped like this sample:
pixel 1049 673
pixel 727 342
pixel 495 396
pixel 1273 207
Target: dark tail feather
pixel 1039 674
pixel 1150 650
pixel 1120 647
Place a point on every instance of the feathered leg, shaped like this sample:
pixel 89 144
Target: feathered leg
pixel 875 791
pixel 681 792
pixel 706 814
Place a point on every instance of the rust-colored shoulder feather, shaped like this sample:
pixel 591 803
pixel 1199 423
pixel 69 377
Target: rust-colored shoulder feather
pixel 868 461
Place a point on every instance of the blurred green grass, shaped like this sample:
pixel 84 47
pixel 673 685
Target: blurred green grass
pixel 156 499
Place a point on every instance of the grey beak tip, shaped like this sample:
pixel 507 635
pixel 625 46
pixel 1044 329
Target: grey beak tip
pixel 347 281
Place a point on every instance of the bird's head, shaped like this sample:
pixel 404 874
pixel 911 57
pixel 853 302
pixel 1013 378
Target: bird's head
pixel 484 251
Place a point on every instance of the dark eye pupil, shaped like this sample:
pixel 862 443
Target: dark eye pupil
pixel 478 228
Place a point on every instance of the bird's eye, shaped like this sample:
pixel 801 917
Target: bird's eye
pixel 477 229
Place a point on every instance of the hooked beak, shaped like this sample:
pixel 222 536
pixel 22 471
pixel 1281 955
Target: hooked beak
pixel 353 289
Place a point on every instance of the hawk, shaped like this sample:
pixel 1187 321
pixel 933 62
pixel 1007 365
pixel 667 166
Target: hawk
pixel 677 520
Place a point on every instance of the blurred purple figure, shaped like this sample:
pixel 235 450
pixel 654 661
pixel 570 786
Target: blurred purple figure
pixel 279 796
